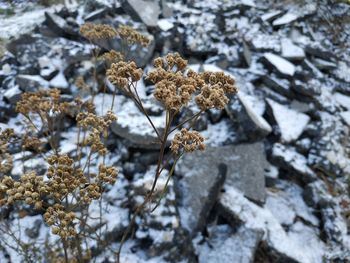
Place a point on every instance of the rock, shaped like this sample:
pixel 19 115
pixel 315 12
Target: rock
pixel 291 51
pixel 310 88
pixel 313 70
pixel 59 81
pixel 343 72
pixel 288 197
pixel 247 54
pixel 264 42
pixel 131 123
pixel 328 152
pixel 31 83
pixel 13 94
pixel 282 66
pixel 268 17
pixel 316 49
pixel 96 14
pixel 225 246
pixel 324 64
pixel 285 19
pixel 197 190
pixel 290 160
pixel 146 11
pixel 286 246
pixel 165 24
pixel 290 122
pixel 346 117
pixel 342 100
pixel 281 86
pixel 248 178
pixel 60 26
pixel 253 126
pixel 33 231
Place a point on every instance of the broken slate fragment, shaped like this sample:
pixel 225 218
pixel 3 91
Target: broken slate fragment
pixel 285 19
pixel 289 159
pixel 282 65
pixel 226 246
pixel 146 11
pixel 253 126
pixel 290 122
pixel 291 51
pixel 287 245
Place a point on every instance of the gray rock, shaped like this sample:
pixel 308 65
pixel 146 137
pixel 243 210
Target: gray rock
pixel 225 246
pixel 282 86
pixel 310 88
pixel 33 231
pixel 291 51
pixel 253 126
pixel 312 69
pixel 236 158
pixel 264 42
pixel 59 25
pixel 290 160
pixel 316 49
pixel 146 11
pixel 13 94
pixel 285 19
pixel 281 65
pixel 290 122
pixel 324 64
pixel 99 13
pixel 31 83
pixel 343 72
pixel 197 190
pixel 268 17
pixel 284 245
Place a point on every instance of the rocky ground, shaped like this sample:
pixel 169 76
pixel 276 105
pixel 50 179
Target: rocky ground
pixel 272 185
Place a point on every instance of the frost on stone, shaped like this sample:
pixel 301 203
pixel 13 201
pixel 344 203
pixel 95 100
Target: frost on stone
pixel 131 124
pixel 290 122
pixel 282 65
pixel 286 243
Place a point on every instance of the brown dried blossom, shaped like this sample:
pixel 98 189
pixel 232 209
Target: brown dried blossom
pixel 64 177
pixel 213 92
pixel 98 31
pixel 174 86
pixel 132 36
pixel 188 141
pixel 81 84
pixel 60 220
pixel 123 73
pixel 112 57
pixel 6 162
pixel 43 102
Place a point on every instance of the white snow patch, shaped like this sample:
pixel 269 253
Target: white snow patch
pixel 291 122
pixel 281 64
pixel 285 19
pixel 256 217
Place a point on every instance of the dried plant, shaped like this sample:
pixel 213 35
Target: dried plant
pixel 63 194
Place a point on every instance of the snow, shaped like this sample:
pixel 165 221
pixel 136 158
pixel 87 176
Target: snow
pixel 342 99
pixel 282 65
pixel 292 157
pixel 290 50
pixel 290 122
pixel 270 15
pixel 165 24
pixel 258 218
pixel 346 117
pixel 59 81
pixel 22 23
pixel 285 19
pixel 219 133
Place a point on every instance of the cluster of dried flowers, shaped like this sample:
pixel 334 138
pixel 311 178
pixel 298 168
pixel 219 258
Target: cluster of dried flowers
pixel 66 179
pixel 102 31
pixel 66 190
pixel 6 162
